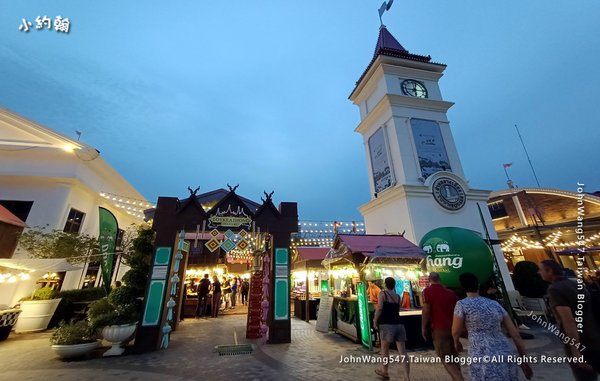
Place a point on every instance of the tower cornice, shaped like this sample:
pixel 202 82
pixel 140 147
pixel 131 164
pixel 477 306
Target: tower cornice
pixel 390 100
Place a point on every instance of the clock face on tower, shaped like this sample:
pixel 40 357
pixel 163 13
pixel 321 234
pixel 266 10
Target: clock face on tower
pixel 414 88
pixel 449 193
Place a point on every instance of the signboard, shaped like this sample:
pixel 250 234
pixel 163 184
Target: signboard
pixel 324 316
pixel 363 315
pixel 380 161
pixel 230 218
pixel 430 147
pixel 452 251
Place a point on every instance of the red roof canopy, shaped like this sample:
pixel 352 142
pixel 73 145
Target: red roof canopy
pixel 368 243
pixel 8 218
pixel 312 253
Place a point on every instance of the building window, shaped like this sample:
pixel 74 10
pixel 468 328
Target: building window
pixel 20 209
pixel 119 243
pixel 497 210
pixel 74 221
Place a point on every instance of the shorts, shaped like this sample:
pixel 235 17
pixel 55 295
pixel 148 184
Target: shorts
pixel 392 332
pixel 443 342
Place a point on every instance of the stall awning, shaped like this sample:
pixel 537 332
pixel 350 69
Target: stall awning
pixel 407 252
pixel 351 248
pixel 8 218
pixel 43 265
pixel 312 253
pixel 310 257
pixel 369 243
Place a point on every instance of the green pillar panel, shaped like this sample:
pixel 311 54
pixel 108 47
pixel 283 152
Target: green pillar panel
pixel 281 256
pixel 158 284
pixel 282 299
pixel 163 256
pixel 153 308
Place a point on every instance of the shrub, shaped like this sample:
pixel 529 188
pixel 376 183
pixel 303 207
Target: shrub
pixel 43 293
pixel 120 307
pixel 73 333
pixel 137 279
pixel 122 296
pixel 527 280
pixel 83 295
pixel 99 307
pixel 66 309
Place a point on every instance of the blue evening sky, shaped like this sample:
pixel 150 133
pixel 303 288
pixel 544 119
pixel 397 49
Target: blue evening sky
pixel 178 93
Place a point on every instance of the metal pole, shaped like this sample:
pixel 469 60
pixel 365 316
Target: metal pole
pixel 497 272
pixel 528 159
pixel 307 303
pixel 506 172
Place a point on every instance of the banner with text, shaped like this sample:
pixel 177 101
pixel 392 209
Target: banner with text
pixel 107 240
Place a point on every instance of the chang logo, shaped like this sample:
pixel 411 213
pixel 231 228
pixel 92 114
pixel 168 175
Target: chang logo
pixel 439 255
pixel 445 261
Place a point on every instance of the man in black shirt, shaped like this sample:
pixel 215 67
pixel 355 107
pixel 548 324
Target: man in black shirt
pixel 202 296
pixel 571 306
pixel 216 297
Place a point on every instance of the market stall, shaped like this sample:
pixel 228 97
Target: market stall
pixel 307 275
pixel 362 258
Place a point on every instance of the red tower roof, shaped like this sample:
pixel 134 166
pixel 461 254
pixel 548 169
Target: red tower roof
pixel 387 45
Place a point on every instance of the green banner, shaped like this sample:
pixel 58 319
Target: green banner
pixel 363 315
pixel 107 241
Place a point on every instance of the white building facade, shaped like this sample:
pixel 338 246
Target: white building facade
pixel 54 182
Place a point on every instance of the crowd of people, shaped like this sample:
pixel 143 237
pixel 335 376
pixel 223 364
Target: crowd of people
pixel 223 295
pixel 490 329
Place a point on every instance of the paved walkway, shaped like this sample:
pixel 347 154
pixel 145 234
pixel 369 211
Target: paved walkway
pixel 311 356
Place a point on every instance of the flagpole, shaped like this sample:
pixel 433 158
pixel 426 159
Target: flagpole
pixel 506 172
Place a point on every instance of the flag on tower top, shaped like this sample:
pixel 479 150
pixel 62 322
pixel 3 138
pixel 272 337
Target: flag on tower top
pixel 507 165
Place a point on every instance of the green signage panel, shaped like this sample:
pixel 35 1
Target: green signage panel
pixel 281 256
pixel 282 299
pixel 452 251
pixel 363 315
pixel 153 308
pixel 324 287
pixel 163 256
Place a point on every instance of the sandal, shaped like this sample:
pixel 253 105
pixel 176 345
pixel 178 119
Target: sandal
pixel 380 373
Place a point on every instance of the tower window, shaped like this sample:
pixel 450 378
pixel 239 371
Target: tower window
pixel 74 221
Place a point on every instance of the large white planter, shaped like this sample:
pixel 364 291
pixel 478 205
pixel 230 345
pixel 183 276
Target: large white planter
pixel 36 315
pixel 75 350
pixel 116 334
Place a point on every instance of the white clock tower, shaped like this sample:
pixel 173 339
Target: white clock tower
pixel 416 178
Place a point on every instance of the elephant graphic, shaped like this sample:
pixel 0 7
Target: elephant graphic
pixel 442 248
pixel 428 249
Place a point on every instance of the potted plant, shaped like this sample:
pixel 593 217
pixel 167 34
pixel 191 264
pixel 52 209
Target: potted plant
pixel 37 310
pixel 116 316
pixel 72 340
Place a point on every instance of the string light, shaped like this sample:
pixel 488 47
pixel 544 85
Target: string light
pixel 131 206
pixel 516 242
